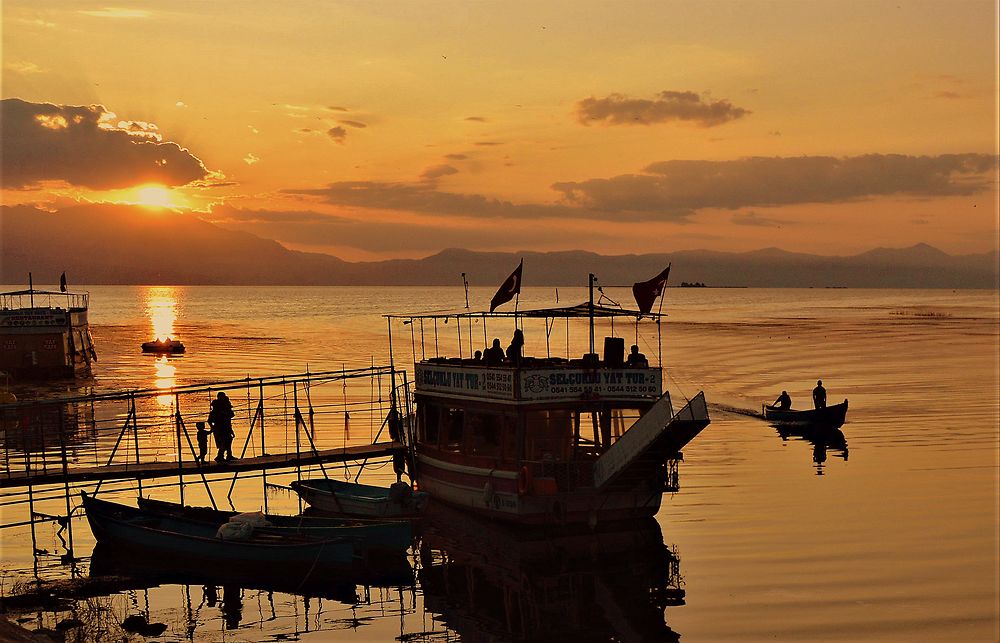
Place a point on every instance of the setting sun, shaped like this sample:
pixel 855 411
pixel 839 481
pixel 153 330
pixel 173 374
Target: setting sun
pixel 155 196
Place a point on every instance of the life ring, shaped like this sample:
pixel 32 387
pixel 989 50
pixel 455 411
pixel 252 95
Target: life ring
pixel 523 481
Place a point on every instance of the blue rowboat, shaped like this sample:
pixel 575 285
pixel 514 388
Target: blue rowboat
pixel 164 535
pixel 365 534
pixel 352 499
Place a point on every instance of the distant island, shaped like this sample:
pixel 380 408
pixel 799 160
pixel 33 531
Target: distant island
pixel 107 244
pixel 692 284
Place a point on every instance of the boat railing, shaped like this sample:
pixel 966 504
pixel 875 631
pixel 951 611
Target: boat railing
pixel 33 298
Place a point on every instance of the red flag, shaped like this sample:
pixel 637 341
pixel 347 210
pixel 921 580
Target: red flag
pixel 646 292
pixel 509 288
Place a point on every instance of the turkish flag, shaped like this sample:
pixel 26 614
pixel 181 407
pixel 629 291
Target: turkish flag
pixel 646 292
pixel 508 288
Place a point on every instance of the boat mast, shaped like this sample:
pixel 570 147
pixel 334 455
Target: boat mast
pixel 590 308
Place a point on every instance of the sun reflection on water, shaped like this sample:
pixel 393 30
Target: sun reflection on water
pixel 166 378
pixel 161 306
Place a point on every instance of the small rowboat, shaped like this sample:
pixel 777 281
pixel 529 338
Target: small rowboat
pixel 351 499
pixel 163 535
pixel 380 535
pixel 831 417
pixel 167 345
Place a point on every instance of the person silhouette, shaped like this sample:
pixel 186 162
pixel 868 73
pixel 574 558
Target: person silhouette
pixel 220 418
pixel 637 359
pixel 516 349
pixel 784 402
pixel 819 395
pixel 494 354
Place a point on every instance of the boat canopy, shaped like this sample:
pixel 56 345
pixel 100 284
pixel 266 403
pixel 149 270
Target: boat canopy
pixel 568 312
pixel 35 298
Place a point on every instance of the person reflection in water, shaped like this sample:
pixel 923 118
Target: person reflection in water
pixel 220 418
pixel 232 606
pixel 784 402
pixel 819 395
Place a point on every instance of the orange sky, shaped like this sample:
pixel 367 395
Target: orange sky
pixel 388 129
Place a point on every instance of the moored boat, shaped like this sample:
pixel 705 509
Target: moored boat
pixel 161 534
pixel 365 534
pixel 831 417
pixel 167 345
pixel 352 499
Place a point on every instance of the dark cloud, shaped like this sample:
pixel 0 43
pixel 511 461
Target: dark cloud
pixel 618 109
pixel 338 134
pixel 437 171
pixel 675 189
pixel 355 124
pixel 88 146
pixel 334 108
pixel 487 143
pixel 476 119
pixel 754 219
pixel 456 157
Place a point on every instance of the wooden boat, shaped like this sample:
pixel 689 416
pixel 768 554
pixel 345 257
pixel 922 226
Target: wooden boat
pixel 365 534
pixel 352 499
pixel 167 345
pixel 828 417
pixel 164 535
pixel 546 440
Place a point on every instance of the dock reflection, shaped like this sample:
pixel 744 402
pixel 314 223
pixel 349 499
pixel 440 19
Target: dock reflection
pixel 494 582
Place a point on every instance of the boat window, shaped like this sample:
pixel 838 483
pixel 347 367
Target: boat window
pixel 548 434
pixel 622 420
pixel 451 429
pixel 429 423
pixel 483 431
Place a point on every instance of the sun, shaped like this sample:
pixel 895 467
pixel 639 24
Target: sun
pixel 154 196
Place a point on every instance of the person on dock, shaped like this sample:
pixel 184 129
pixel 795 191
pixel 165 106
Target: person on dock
pixel 220 418
pixel 202 436
pixel 636 359
pixel 494 354
pixel 515 352
pixel 819 395
pixel 784 401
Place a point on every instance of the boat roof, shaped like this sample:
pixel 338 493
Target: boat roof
pixel 36 291
pixel 578 311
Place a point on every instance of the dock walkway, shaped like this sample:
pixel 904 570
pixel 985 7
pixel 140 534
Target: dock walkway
pixel 147 470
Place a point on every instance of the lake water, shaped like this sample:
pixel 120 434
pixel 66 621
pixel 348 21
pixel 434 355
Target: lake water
pixel 890 532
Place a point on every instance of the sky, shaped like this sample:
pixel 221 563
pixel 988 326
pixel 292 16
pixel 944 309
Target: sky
pixel 387 129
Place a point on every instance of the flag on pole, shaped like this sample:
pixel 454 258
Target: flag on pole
pixel 646 292
pixel 62 283
pixel 510 287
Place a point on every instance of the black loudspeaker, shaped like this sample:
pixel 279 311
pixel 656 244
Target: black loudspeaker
pixel 614 351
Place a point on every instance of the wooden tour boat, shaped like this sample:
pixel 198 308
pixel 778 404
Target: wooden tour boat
pixel 166 535
pixel 830 417
pixel 352 499
pixel 546 440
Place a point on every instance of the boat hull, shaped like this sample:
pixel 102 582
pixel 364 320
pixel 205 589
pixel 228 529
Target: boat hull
pixel 344 498
pixel 828 417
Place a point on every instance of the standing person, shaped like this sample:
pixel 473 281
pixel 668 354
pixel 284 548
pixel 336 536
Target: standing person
pixel 202 436
pixel 819 395
pixel 516 349
pixel 220 418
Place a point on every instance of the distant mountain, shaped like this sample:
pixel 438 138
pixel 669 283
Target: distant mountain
pixel 106 244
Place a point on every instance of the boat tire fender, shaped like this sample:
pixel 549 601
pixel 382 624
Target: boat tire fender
pixel 523 481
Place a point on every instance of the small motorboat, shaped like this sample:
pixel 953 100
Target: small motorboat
pixel 167 345
pixel 352 499
pixel 830 417
pixel 168 536
pixel 366 535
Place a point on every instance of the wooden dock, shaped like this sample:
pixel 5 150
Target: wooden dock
pixel 147 470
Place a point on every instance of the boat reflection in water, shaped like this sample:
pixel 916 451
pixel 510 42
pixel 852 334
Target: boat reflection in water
pixel 824 440
pixel 490 581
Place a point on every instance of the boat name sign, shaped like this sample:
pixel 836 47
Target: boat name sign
pixel 540 384
pixel 25 318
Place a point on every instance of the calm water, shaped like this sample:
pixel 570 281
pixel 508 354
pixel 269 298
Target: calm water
pixel 890 532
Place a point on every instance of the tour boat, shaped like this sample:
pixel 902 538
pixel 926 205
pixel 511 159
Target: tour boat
pixel 545 440
pixel 45 335
pixel 831 417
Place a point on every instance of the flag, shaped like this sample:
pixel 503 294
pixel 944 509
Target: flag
pixel 509 288
pixel 62 283
pixel 646 292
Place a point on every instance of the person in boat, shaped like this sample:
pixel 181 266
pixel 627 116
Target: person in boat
pixel 636 359
pixel 478 357
pixel 494 354
pixel 220 418
pixel 819 395
pixel 202 436
pixel 515 352
pixel 784 402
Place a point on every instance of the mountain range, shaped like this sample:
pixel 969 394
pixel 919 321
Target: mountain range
pixel 111 245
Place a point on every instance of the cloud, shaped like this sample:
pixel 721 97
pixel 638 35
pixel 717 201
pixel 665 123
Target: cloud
pixel 618 109
pixel 476 119
pixel 487 143
pixel 678 188
pixel 946 94
pixel 251 158
pixel 88 146
pixel 181 104
pixel 338 134
pixel 334 108
pixel 437 171
pixel 355 124
pixel 253 130
pixel 117 12
pixel 456 157
pixel 754 219
pixel 23 68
